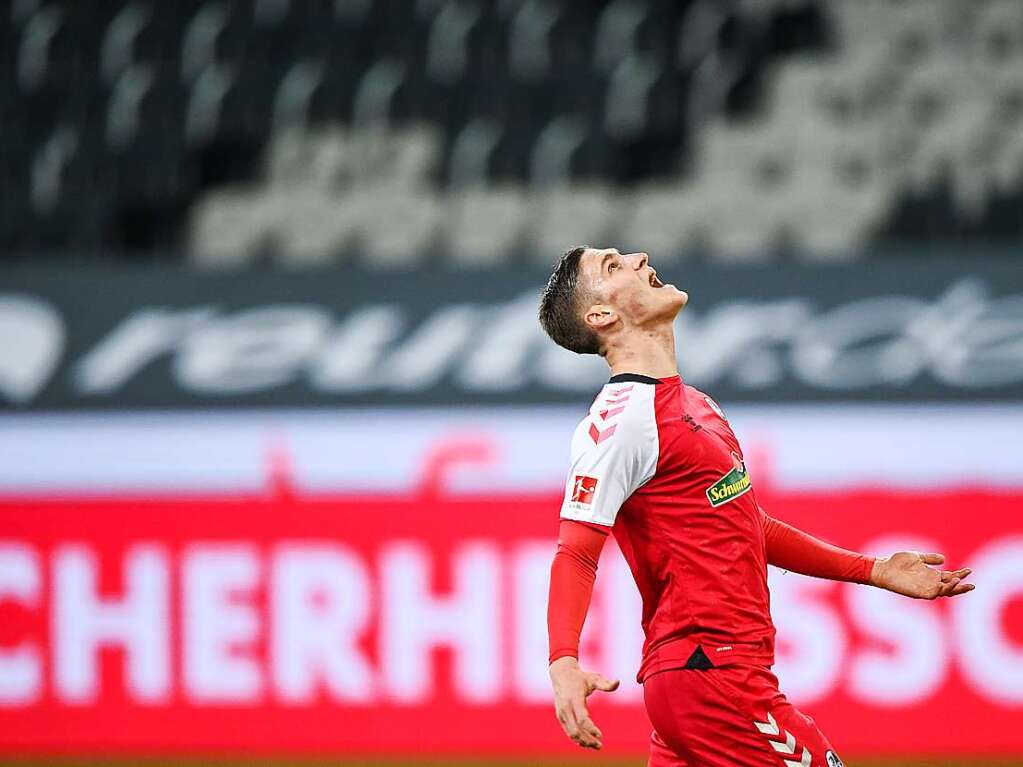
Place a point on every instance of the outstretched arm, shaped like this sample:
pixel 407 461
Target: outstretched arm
pixel 572 575
pixel 791 549
pixel 905 572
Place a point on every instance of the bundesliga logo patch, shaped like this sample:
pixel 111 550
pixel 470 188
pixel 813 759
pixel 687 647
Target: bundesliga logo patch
pixel 732 485
pixel 583 488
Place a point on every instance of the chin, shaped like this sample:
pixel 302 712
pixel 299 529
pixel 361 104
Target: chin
pixel 679 299
pixel 670 306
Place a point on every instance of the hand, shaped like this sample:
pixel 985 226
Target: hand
pixel 908 573
pixel 572 686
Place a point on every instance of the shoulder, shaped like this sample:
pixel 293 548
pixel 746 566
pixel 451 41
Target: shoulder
pixel 707 401
pixel 621 418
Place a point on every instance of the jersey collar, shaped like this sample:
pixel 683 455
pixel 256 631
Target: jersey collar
pixel 637 378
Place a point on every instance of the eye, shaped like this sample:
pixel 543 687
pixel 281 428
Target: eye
pixel 612 266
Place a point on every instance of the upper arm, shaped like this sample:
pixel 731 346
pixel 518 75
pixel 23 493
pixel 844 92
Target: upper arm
pixel 583 540
pixel 609 467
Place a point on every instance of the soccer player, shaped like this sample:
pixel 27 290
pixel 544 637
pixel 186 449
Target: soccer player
pixel 656 463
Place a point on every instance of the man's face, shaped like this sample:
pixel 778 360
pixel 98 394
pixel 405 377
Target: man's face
pixel 626 284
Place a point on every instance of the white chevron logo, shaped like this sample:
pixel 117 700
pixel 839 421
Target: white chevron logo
pixel 771 729
pixel 805 762
pixel 788 747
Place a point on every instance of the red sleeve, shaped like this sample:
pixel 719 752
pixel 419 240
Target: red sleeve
pixel 572 574
pixel 794 550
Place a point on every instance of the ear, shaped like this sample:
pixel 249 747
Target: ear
pixel 600 316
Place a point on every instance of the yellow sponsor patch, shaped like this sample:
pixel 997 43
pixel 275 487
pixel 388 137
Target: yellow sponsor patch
pixel 732 485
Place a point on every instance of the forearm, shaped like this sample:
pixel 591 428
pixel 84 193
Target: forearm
pixel 800 552
pixel 573 572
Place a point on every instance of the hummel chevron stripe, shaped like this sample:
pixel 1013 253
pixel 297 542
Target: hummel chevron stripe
pixel 788 747
pixel 599 436
pixel 772 730
pixel 804 762
pixel 770 727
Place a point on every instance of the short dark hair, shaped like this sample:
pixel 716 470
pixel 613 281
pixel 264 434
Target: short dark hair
pixel 560 314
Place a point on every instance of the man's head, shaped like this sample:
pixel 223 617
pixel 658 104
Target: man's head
pixel 597 294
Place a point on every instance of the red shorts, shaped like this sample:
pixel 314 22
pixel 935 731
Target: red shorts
pixel 728 716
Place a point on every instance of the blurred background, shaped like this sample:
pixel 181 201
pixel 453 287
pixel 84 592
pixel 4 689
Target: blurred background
pixel 282 445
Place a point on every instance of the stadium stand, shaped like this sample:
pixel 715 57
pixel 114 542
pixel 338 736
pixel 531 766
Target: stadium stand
pixel 480 132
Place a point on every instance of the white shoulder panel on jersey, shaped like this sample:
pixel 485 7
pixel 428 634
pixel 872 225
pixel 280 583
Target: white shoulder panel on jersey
pixel 614 452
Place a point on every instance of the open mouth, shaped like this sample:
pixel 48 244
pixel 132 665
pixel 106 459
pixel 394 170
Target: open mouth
pixel 654 282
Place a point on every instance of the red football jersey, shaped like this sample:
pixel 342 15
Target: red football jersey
pixel 657 462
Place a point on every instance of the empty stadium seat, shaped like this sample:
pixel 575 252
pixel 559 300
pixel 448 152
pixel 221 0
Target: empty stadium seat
pixel 397 226
pixel 491 132
pixel 563 216
pixel 660 220
pixel 483 226
pixel 230 227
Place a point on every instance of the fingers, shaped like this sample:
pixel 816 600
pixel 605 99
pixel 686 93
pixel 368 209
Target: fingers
pixel 962 588
pixel 947 575
pixel 944 589
pixel 576 722
pixel 570 724
pixel 563 721
pixel 955 588
pixel 953 582
pixel 933 559
pixel 587 734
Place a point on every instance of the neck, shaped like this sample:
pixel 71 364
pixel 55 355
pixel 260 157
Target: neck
pixel 648 352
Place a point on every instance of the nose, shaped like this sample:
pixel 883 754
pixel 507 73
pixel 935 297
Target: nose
pixel 640 259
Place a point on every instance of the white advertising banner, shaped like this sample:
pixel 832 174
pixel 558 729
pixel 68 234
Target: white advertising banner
pixel 502 449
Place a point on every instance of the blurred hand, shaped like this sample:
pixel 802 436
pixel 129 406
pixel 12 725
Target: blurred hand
pixel 909 573
pixel 572 686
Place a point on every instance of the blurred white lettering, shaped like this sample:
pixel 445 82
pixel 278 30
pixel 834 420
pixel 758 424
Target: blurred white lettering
pixel 350 357
pixel 137 341
pixel 217 625
pixel 531 570
pixel 986 655
pixel 621 630
pixel 811 638
pixel 252 350
pixel 320 603
pixel 413 621
pixel 918 662
pixel 83 622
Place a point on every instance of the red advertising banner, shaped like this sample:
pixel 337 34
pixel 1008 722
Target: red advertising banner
pixel 357 625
